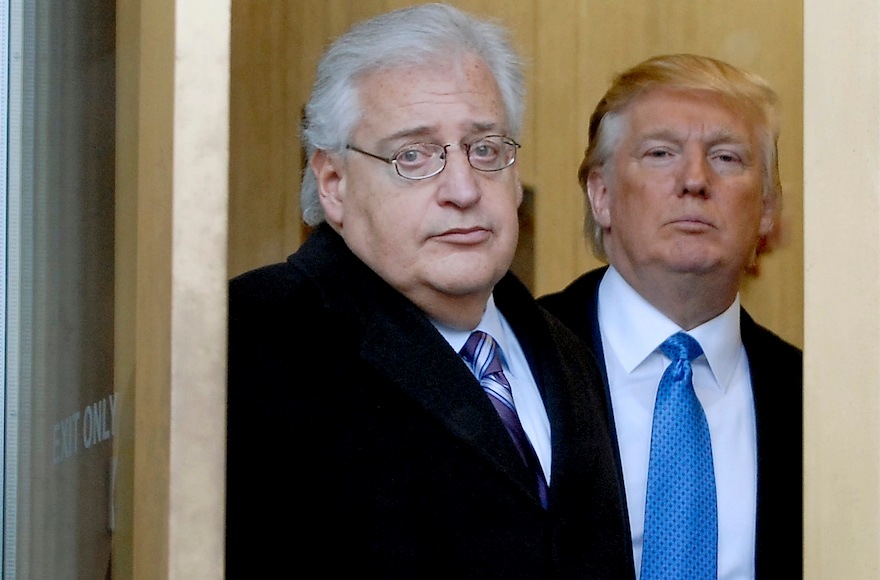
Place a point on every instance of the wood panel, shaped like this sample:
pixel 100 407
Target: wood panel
pixel 263 126
pixel 561 118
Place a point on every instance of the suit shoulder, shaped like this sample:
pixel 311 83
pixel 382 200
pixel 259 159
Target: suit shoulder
pixel 575 353
pixel 569 302
pixel 271 287
pixel 270 301
pixel 267 282
pixel 772 360
pixel 759 338
pixel 561 333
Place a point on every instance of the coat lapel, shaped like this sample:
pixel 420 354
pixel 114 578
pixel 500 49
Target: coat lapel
pixel 422 364
pixel 585 485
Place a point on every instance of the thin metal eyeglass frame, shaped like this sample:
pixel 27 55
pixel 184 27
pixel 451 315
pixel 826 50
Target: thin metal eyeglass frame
pixel 467 153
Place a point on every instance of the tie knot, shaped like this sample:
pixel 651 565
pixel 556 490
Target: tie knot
pixel 480 352
pixel 681 346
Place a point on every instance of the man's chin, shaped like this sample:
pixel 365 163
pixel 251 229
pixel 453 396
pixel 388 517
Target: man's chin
pixel 697 261
pixel 467 288
pixel 695 267
pixel 464 274
pixel 705 269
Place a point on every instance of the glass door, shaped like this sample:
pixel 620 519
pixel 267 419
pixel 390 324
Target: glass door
pixel 57 109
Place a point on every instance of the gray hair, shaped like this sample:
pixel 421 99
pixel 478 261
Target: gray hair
pixel 415 36
pixel 682 72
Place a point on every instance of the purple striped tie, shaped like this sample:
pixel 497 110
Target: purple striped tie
pixel 481 355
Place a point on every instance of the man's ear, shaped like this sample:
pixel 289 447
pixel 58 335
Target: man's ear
pixel 330 176
pixel 769 226
pixel 600 197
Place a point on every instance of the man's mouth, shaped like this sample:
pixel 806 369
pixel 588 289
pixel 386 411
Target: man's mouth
pixel 466 235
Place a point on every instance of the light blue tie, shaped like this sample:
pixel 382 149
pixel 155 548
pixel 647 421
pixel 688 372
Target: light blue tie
pixel 681 521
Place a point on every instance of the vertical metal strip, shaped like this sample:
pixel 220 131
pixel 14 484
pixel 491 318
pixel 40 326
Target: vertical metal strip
pixel 4 136
pixel 10 181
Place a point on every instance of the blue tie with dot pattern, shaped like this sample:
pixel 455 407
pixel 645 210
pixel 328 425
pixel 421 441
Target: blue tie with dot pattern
pixel 681 521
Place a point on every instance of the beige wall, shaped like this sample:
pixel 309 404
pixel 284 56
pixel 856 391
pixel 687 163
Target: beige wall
pixel 842 366
pixel 573 48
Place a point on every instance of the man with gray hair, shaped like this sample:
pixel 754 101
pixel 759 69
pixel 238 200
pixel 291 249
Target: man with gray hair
pixel 682 193
pixel 398 404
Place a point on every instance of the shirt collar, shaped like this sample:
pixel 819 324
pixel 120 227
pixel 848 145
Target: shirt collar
pixel 490 324
pixel 635 329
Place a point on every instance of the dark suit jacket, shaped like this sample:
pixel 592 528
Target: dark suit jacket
pixel 777 384
pixel 359 441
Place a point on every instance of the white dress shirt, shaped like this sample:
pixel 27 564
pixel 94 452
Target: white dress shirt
pixel 526 397
pixel 632 330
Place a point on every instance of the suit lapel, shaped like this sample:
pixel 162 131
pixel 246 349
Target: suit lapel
pixel 757 374
pixel 592 323
pixel 578 306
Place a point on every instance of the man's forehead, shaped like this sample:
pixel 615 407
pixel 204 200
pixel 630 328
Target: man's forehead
pixel 408 101
pixel 665 111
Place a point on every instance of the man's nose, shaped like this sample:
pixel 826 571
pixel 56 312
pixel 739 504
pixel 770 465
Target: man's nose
pixel 695 175
pixel 460 186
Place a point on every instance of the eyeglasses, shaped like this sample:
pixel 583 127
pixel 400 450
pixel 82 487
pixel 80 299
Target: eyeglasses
pixel 424 160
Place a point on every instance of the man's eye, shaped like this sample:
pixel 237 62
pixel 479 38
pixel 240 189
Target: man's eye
pixel 484 150
pixel 413 156
pixel 658 153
